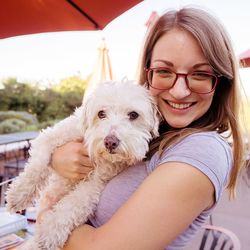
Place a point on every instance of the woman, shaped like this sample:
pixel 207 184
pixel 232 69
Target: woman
pixel 189 66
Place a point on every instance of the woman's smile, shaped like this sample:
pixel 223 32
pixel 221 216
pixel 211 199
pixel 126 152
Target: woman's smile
pixel 180 105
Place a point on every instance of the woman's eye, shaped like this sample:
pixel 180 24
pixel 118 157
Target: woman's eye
pixel 201 74
pixel 163 72
pixel 101 114
pixel 133 115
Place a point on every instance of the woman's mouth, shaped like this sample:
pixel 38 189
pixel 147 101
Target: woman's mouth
pixel 180 106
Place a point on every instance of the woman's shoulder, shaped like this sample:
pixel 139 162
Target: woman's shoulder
pixel 207 151
pixel 198 145
pixel 203 138
pixel 208 135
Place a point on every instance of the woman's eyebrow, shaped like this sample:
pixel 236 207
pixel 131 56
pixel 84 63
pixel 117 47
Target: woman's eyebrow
pixel 170 64
pixel 200 65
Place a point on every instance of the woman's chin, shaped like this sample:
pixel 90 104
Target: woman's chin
pixel 178 123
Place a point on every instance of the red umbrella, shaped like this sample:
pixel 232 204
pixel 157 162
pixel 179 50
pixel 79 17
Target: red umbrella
pixel 21 17
pixel 245 59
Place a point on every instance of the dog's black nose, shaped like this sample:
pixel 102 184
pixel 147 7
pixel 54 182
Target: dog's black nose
pixel 111 142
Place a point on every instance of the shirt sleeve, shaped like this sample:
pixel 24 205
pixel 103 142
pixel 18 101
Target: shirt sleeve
pixel 206 151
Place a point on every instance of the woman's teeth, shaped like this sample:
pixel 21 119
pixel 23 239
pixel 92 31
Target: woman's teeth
pixel 179 105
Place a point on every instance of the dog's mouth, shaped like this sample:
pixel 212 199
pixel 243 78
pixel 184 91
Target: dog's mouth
pixel 111 151
pixel 113 155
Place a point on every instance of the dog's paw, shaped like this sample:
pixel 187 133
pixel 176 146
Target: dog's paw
pixel 28 245
pixel 46 244
pixel 42 245
pixel 12 205
pixel 51 234
pixel 16 198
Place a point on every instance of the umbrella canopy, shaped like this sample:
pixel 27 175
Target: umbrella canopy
pixel 21 17
pixel 102 70
pixel 245 59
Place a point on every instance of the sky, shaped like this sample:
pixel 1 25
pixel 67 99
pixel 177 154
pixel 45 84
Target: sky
pixel 46 58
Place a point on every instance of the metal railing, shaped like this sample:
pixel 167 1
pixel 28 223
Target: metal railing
pixel 3 186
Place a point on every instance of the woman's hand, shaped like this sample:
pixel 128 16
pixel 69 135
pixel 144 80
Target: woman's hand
pixel 71 160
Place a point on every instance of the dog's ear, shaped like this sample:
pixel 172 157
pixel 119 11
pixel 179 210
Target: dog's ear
pixel 82 112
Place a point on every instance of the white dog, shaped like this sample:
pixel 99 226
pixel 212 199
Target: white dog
pixel 117 121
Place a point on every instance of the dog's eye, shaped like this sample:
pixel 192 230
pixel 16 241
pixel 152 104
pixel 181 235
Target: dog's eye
pixel 133 115
pixel 101 114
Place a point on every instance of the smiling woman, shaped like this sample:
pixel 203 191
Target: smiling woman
pixel 188 65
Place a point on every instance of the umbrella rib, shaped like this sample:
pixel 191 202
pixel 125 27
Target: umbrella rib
pixel 97 26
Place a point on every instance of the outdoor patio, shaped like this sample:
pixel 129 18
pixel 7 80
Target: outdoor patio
pixel 233 215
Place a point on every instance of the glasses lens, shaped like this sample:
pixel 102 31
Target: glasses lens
pixel 201 82
pixel 161 78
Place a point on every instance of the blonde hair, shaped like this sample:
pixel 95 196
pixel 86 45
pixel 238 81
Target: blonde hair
pixel 223 115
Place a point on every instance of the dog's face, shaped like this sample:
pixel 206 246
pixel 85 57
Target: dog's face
pixel 118 121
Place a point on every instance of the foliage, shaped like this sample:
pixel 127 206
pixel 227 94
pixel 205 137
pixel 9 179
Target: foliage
pixel 14 121
pixel 11 125
pixel 21 115
pixel 17 96
pixel 71 91
pixel 71 84
pixel 45 105
pixel 46 124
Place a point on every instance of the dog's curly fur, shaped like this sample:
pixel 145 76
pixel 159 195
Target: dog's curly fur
pixel 125 115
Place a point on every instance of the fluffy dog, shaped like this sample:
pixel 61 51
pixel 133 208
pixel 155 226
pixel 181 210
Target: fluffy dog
pixel 117 121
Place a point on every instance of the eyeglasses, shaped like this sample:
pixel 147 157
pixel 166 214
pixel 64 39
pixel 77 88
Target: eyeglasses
pixel 200 82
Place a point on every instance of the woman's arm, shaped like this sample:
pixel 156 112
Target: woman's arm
pixel 165 204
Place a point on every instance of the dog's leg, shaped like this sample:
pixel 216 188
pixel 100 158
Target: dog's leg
pixel 73 210
pixel 56 189
pixel 27 186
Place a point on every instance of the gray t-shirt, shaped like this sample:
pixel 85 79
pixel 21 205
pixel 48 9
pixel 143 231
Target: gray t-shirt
pixel 206 151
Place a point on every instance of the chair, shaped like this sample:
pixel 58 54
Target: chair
pixel 14 162
pixel 219 238
pixel 16 165
pixel 13 168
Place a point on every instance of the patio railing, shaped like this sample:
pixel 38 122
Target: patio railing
pixel 3 187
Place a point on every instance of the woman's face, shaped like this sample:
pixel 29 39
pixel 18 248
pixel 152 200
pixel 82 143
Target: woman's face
pixel 178 51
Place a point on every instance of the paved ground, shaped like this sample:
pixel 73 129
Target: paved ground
pixel 233 215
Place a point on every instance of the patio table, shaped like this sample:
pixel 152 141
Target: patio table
pixel 11 163
pixel 17 137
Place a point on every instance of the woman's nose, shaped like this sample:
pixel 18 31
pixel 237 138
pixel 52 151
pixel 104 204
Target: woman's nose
pixel 180 89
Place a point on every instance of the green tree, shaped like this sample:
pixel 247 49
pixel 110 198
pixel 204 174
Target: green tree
pixel 71 84
pixel 71 91
pixel 48 104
